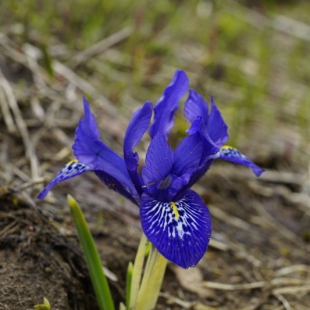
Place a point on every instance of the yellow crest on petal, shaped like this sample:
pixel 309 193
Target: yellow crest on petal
pixel 175 210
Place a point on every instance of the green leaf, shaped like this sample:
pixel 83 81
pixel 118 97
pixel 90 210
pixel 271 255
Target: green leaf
pixel 99 281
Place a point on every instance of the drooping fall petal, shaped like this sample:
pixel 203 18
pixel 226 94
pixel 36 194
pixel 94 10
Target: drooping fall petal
pixel 180 230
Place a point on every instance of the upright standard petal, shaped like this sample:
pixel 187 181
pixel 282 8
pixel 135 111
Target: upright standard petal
pixel 209 149
pixel 180 230
pixel 89 125
pixel 168 104
pixel 217 128
pixel 187 155
pixel 137 127
pixel 195 106
pixel 85 133
pixel 233 155
pixel 71 170
pixel 159 160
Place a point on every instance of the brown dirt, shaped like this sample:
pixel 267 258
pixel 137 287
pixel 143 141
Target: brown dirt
pixel 38 261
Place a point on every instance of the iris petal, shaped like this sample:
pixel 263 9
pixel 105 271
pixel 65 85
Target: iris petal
pixel 233 155
pixel 209 149
pixel 187 155
pixel 169 188
pixel 168 104
pixel 85 133
pixel 137 127
pixel 116 185
pixel 92 152
pixel 159 160
pixel 71 170
pixel 217 128
pixel 195 106
pixel 179 230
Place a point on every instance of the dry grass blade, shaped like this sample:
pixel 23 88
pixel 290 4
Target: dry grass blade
pixel 8 228
pixel 289 281
pixel 239 251
pixel 292 269
pixel 219 245
pixel 6 173
pixel 84 86
pixel 228 218
pixel 32 54
pixel 100 46
pixel 281 177
pixel 291 26
pixel 18 172
pixel 109 274
pixel 6 113
pixel 30 152
pixel 291 289
pixel 30 184
pixel 278 22
pixel 234 287
pixel 272 222
pixel 299 306
pixel 184 304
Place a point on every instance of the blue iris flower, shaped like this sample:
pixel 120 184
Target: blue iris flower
pixel 173 217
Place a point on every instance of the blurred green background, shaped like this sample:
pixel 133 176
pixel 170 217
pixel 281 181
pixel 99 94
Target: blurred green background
pixel 253 56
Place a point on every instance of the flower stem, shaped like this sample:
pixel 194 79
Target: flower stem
pixel 128 284
pixel 152 280
pixel 137 272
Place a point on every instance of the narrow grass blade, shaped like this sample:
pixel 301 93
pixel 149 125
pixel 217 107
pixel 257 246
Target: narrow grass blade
pixel 100 283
